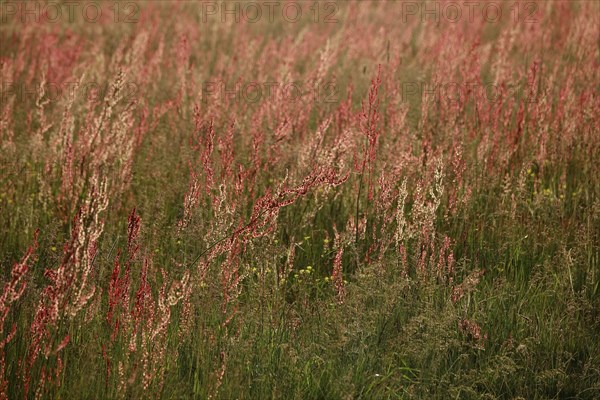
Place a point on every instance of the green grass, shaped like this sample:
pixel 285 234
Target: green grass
pixel 524 237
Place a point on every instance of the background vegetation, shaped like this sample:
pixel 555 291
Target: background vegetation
pixel 417 217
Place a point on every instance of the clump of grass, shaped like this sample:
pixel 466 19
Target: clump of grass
pixel 194 242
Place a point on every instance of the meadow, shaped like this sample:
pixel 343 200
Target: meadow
pixel 300 200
